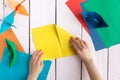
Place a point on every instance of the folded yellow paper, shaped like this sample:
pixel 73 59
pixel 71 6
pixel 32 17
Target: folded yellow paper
pixel 53 40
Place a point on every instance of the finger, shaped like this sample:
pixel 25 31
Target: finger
pixel 41 63
pixel 75 47
pixel 77 38
pixel 80 41
pixel 77 43
pixel 34 55
pixel 85 44
pixel 40 57
pixel 37 56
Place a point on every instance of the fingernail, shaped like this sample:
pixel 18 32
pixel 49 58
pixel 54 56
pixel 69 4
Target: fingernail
pixel 76 38
pixel 70 37
pixel 37 50
pixel 41 52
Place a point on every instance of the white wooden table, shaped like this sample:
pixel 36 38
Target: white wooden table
pixel 43 12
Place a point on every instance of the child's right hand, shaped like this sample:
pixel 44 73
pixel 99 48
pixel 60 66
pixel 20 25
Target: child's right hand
pixel 82 49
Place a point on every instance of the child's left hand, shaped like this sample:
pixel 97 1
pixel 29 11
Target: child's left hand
pixel 36 65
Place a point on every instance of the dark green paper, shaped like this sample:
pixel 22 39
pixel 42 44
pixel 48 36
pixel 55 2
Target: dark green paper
pixel 110 11
pixel 12 52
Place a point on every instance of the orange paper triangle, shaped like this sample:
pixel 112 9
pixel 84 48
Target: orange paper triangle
pixel 21 9
pixel 9 34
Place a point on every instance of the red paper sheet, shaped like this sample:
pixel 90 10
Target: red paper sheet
pixel 74 6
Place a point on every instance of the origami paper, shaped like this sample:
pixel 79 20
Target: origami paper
pixel 21 69
pixel 12 52
pixel 18 7
pixel 110 15
pixel 93 21
pixel 9 34
pixel 7 22
pixel 53 40
pixel 74 6
pixel 44 73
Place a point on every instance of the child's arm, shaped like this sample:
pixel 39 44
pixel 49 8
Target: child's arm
pixel 36 65
pixel 82 49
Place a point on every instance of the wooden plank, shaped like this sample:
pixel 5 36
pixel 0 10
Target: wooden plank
pixel 99 56
pixel 114 64
pixel 68 68
pixel 42 12
pixel 1 9
pixel 22 25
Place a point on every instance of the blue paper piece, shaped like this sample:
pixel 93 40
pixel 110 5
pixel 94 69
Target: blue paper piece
pixel 20 70
pixel 96 39
pixel 44 73
pixel 7 22
pixel 93 21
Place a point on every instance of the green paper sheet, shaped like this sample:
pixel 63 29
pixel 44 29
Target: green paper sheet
pixel 12 52
pixel 110 11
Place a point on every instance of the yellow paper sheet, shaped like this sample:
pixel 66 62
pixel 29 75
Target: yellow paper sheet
pixel 53 40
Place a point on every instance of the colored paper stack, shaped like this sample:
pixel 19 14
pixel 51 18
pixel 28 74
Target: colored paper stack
pixel 100 18
pixel 14 62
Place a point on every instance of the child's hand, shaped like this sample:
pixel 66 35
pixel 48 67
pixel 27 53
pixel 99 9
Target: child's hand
pixel 82 49
pixel 84 53
pixel 36 65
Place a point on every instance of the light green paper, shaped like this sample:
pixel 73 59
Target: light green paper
pixel 110 11
pixel 12 52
